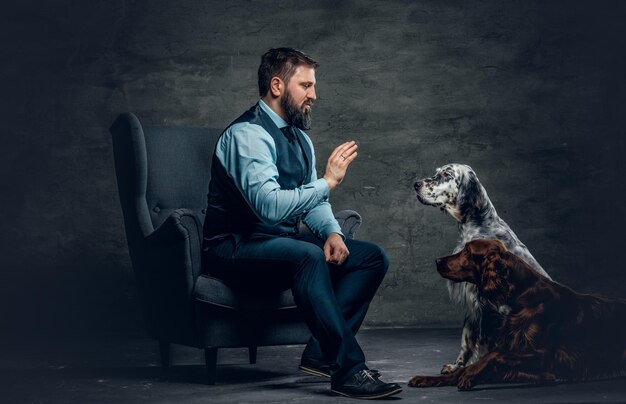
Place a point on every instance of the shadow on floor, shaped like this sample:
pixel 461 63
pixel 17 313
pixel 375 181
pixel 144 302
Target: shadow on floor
pixel 126 371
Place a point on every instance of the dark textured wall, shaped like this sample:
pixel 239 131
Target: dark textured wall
pixel 531 94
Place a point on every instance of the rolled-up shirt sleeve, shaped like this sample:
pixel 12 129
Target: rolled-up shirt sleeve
pixel 248 154
pixel 322 222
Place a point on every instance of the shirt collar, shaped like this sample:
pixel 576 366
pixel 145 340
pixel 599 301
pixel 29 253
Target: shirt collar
pixel 280 122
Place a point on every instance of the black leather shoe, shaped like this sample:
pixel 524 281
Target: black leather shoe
pixel 320 368
pixel 365 385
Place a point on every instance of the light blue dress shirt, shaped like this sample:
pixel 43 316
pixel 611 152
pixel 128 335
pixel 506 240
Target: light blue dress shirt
pixel 248 153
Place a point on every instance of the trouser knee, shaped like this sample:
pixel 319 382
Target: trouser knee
pixel 312 276
pixel 378 261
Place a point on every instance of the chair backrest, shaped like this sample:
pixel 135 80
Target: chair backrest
pixel 160 169
pixel 179 169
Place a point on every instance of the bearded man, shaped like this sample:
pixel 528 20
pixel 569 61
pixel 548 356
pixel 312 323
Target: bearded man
pixel 269 225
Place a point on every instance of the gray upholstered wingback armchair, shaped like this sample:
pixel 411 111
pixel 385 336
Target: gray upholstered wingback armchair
pixel 163 175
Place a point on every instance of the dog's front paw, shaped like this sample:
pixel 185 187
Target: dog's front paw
pixel 418 381
pixel 450 368
pixel 465 384
pixel 430 381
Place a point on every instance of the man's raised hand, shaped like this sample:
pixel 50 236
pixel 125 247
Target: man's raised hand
pixel 338 163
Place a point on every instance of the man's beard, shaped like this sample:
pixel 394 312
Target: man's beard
pixel 296 116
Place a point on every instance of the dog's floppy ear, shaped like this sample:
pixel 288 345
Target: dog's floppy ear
pixel 500 245
pixel 471 196
pixel 494 285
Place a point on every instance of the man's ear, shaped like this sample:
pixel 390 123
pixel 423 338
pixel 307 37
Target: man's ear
pixel 277 86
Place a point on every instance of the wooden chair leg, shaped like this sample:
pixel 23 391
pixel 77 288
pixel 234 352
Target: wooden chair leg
pixel 252 350
pixel 210 357
pixel 164 350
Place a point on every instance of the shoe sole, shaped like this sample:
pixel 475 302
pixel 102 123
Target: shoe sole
pixel 313 371
pixel 368 397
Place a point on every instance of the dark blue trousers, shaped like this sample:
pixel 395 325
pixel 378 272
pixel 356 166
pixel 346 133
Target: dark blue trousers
pixel 334 299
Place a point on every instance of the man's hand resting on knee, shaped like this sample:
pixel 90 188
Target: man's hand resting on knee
pixel 335 249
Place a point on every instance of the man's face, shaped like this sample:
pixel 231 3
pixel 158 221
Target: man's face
pixel 298 98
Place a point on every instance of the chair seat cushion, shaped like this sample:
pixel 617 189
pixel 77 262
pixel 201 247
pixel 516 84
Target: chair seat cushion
pixel 213 291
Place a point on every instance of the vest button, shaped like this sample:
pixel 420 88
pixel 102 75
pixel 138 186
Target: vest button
pixel 156 209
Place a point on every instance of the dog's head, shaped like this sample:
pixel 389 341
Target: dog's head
pixel 487 264
pixel 454 189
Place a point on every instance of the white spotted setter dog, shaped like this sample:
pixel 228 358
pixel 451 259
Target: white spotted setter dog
pixel 455 189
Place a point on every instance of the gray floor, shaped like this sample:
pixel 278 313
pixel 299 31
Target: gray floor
pixel 127 372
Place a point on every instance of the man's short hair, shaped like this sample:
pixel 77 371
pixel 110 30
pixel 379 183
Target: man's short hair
pixel 281 63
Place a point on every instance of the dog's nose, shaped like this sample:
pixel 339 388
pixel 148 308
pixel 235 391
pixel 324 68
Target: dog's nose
pixel 418 185
pixel 438 262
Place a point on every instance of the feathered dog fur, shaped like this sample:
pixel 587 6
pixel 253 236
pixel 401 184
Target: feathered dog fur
pixel 455 189
pixel 546 332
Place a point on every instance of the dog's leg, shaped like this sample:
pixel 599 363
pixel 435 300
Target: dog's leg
pixel 449 379
pixel 493 367
pixel 499 367
pixel 469 342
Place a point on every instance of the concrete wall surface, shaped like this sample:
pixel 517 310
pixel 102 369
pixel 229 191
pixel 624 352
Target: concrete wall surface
pixel 530 94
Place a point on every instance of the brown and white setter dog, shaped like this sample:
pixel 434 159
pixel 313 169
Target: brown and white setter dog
pixel 455 189
pixel 546 331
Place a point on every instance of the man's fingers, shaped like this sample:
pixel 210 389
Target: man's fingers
pixel 336 255
pixel 351 158
pixel 327 252
pixel 345 161
pixel 347 155
pixel 337 151
pixel 341 149
pixel 340 255
pixel 349 148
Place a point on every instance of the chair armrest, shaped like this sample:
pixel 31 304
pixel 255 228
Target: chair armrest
pixel 166 269
pixel 180 225
pixel 180 234
pixel 349 221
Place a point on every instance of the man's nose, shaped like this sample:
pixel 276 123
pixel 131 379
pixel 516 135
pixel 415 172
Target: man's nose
pixel 311 95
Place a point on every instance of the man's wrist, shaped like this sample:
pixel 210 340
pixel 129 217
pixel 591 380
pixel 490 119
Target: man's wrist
pixel 331 183
pixel 335 234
